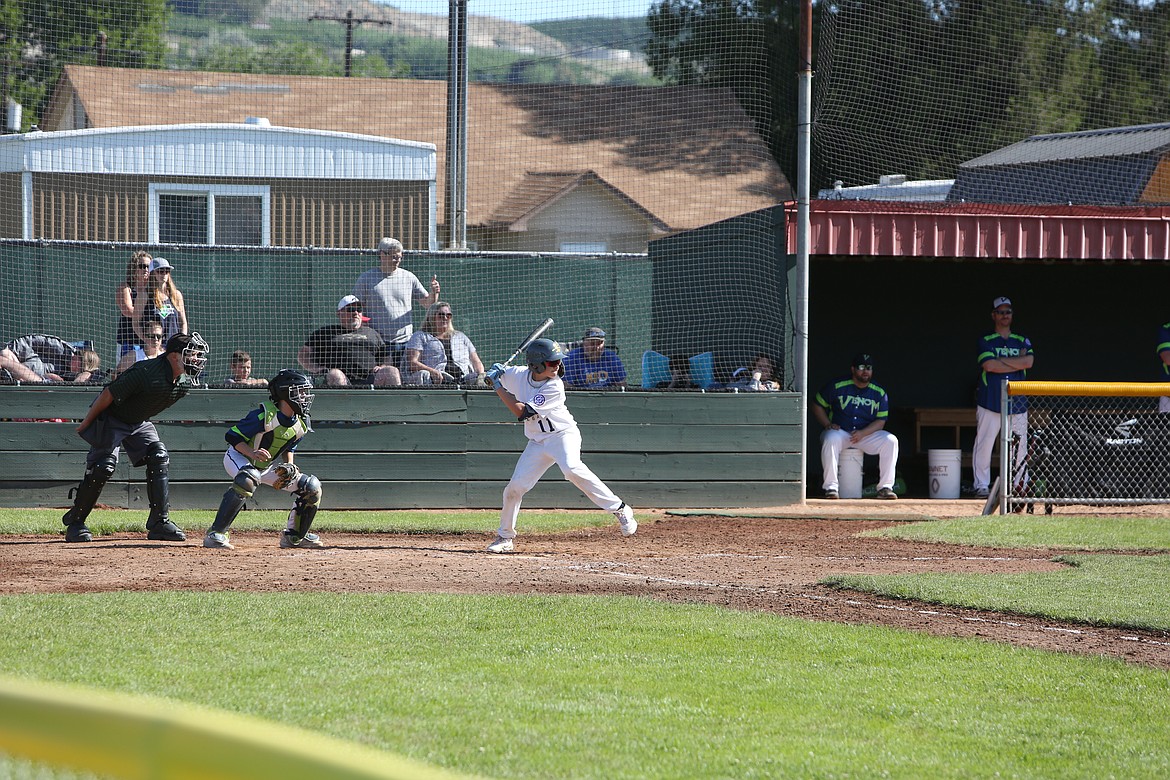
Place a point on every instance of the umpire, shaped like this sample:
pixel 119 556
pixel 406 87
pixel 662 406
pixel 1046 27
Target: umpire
pixel 120 417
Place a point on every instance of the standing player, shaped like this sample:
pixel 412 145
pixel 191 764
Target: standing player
pixel 1163 350
pixel 1004 356
pixel 261 452
pixel 536 395
pixel 120 417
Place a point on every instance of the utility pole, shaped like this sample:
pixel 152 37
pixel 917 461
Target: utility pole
pixel 349 21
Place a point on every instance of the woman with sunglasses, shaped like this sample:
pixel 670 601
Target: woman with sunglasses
pixel 438 353
pixel 137 274
pixel 162 302
pixel 153 347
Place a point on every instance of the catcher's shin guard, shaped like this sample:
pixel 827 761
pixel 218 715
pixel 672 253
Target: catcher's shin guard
pixel 304 510
pixel 243 486
pixel 90 488
pixel 158 491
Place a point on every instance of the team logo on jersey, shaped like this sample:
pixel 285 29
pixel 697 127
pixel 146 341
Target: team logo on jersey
pixel 538 399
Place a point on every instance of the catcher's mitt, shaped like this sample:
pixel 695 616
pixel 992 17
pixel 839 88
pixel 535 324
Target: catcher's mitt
pixel 286 473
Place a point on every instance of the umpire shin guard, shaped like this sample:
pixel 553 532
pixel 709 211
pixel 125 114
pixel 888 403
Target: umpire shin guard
pixel 90 489
pixel 158 491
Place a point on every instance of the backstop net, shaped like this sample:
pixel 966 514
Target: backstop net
pixel 265 147
pixel 1087 443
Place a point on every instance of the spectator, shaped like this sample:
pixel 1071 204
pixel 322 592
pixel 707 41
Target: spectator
pixel 758 378
pixel 680 375
pixel 241 368
pixel 1004 356
pixel 438 353
pixel 137 276
pixel 119 419
pixel 162 302
pixel 387 292
pixel 349 352
pixel 85 366
pixel 853 412
pixel 152 347
pixel 39 358
pixel 593 367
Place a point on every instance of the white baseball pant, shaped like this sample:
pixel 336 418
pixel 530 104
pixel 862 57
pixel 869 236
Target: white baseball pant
pixel 881 443
pixel 563 449
pixel 987 425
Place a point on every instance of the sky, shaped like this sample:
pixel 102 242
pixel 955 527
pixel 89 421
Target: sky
pixel 528 11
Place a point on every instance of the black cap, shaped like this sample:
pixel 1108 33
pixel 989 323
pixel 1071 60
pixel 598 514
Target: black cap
pixel 862 359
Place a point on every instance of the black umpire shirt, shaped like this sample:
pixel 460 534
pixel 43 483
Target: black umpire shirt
pixel 145 389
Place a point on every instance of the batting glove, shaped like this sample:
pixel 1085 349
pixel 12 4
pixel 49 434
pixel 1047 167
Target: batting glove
pixel 493 374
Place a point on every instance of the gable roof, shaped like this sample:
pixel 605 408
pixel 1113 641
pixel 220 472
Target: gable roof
pixel 540 189
pixel 1106 142
pixel 687 155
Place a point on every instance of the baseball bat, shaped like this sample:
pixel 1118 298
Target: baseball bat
pixel 533 336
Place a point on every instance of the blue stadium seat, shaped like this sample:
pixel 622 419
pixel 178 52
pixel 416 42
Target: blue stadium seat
pixel 655 369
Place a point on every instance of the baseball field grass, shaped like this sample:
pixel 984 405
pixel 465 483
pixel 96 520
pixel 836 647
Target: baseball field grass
pixel 541 686
pixel 580 687
pixel 1065 532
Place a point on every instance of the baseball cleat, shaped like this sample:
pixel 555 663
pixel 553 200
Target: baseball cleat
pixel 626 521
pixel 217 541
pixel 501 545
pixel 306 542
pixel 887 493
pixel 165 531
pixel 77 532
pixel 832 495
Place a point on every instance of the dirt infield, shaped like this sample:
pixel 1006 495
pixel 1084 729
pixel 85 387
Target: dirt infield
pixel 769 564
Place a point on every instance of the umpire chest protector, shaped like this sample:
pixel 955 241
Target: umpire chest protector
pixel 274 437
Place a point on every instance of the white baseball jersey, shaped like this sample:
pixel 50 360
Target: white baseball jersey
pixel 546 397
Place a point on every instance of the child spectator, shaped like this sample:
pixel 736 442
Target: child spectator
pixel 241 368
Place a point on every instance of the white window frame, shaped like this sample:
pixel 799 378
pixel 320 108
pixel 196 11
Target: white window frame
pixel 264 192
pixel 585 247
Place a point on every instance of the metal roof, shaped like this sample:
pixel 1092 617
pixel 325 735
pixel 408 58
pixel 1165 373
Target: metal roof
pixel 219 150
pixel 1107 142
pixel 985 231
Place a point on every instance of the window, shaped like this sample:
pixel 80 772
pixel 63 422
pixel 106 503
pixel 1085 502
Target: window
pixel 209 214
pixel 584 247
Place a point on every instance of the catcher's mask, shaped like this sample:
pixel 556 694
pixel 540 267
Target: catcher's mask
pixel 193 349
pixel 292 386
pixel 544 351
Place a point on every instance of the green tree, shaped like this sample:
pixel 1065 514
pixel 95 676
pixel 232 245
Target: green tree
pixel 280 58
pixel 40 37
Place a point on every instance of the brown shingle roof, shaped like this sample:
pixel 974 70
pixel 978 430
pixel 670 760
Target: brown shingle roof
pixel 540 188
pixel 687 155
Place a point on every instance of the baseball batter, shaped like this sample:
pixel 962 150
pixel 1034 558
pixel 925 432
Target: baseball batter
pixel 536 395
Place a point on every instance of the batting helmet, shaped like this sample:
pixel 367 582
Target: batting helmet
pixel 542 351
pixel 292 386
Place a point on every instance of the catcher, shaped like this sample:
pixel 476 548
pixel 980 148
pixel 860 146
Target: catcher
pixel 261 452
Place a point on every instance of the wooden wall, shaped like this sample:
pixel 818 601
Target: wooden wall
pixel 399 449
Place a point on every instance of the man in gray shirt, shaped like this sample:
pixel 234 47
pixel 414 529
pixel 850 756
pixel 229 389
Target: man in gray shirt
pixel 387 293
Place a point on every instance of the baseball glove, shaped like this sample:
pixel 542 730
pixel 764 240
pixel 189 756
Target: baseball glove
pixel 286 473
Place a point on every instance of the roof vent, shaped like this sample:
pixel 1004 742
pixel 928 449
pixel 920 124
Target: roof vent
pixel 259 121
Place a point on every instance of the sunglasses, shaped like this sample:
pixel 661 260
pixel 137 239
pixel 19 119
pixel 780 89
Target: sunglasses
pixel 154 336
pixel 352 309
pixel 143 266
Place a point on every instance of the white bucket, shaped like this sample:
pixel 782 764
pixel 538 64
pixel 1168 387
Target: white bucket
pixel 849 473
pixel 945 467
